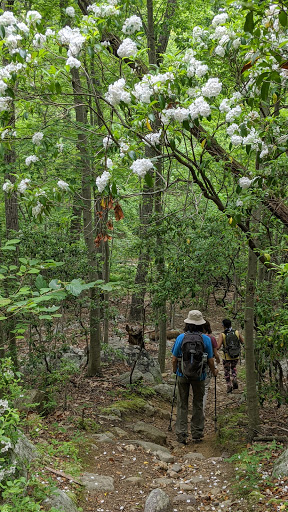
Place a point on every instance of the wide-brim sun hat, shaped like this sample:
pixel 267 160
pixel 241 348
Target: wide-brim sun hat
pixel 195 317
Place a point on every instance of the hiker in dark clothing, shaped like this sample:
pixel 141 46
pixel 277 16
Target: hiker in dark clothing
pixel 231 356
pixel 208 331
pixel 194 325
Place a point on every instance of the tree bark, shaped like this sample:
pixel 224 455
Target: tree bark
pixel 94 364
pixel 251 376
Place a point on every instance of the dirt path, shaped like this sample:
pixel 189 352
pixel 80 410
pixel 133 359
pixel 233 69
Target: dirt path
pixel 197 479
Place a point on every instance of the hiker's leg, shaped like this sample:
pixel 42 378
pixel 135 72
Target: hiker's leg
pixel 226 366
pixel 234 373
pixel 207 383
pixel 183 386
pixel 197 420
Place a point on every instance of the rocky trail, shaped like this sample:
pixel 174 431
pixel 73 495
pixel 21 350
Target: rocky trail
pixel 130 461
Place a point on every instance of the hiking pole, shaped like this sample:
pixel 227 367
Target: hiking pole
pixel 173 400
pixel 215 396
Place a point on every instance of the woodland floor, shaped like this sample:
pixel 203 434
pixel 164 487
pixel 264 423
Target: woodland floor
pixel 203 484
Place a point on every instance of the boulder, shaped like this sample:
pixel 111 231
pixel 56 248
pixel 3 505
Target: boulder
pixel 165 391
pixel 32 400
pixel 152 433
pixel 94 482
pixel 281 465
pixel 60 501
pixel 158 501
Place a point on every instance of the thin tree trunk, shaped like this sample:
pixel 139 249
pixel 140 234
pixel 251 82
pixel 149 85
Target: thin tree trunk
pixel 94 364
pixel 251 376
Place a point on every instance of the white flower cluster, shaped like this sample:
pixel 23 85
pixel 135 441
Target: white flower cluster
pixel 63 185
pixel 212 88
pixel 141 166
pixel 8 186
pixel 37 210
pixel 37 137
pixel 104 10
pixel 60 146
pixel 233 113
pixel 194 66
pixel 200 107
pixel 244 182
pixel 12 41
pixel 107 142
pixel 153 139
pixel 6 447
pixel 33 17
pixel 39 41
pixel 116 93
pixel 124 148
pixel 7 18
pixel 70 11
pixel 151 84
pixel 127 48
pixel 101 181
pixel 109 163
pixel 73 62
pixel 4 103
pixel 31 159
pixel 73 38
pixel 4 405
pixel 132 24
pixel 219 19
pixel 23 185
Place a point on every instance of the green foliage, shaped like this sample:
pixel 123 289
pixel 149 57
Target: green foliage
pixel 249 471
pixel 134 404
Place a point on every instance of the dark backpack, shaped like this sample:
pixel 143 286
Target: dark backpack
pixel 193 356
pixel 232 344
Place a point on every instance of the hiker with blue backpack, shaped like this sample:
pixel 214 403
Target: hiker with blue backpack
pixel 191 353
pixel 231 341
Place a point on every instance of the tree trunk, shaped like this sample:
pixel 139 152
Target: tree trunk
pixel 251 376
pixel 94 364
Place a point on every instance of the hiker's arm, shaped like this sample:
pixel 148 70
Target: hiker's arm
pixel 174 363
pixel 219 341
pixel 215 352
pixel 241 338
pixel 211 365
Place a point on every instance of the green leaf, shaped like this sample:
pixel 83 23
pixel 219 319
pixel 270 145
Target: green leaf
pixel 162 102
pixel 2 32
pixel 265 90
pixel 106 287
pixel 249 23
pixel 4 302
pixel 283 18
pixel 54 284
pixel 75 287
pixel 275 77
pixel 58 88
pixel 149 180
pixel 40 282
pixel 34 271
pixel 186 125
pixel 286 284
pixel 13 241
pixel 172 144
pixel 114 189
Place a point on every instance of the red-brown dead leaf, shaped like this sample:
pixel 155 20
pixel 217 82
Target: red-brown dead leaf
pixel 106 238
pixel 110 204
pixel 119 215
pixel 284 65
pixel 110 224
pixel 248 65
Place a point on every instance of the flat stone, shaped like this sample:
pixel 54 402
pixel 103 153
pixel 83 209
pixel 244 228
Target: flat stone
pixel 163 413
pixel 186 487
pixel 176 467
pixel 188 498
pixel 149 447
pixel 103 438
pixel 164 481
pixel 194 455
pixel 165 456
pixel 158 501
pixel 149 410
pixel 135 480
pixel 119 432
pixel 94 482
pixel 152 433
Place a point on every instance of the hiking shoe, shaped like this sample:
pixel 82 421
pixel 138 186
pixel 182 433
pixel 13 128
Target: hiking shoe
pixel 197 439
pixel 235 384
pixel 182 439
pixel 229 388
